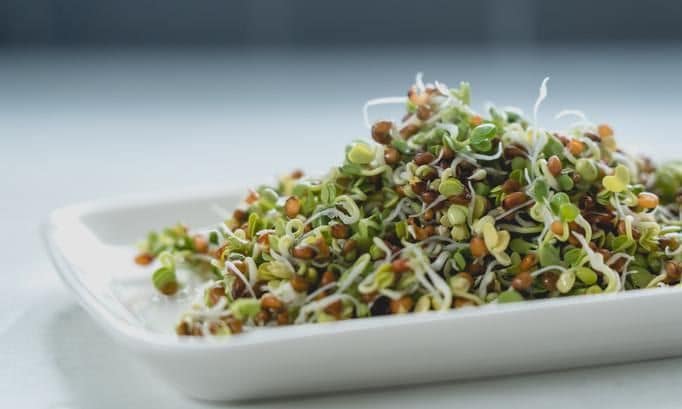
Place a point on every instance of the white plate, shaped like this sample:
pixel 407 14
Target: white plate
pixel 92 247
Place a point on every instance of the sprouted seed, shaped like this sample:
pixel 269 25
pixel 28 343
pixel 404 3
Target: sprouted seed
pixel 444 209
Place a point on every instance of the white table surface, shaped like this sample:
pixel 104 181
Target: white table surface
pixel 77 126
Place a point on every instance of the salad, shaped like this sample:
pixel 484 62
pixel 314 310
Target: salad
pixel 445 209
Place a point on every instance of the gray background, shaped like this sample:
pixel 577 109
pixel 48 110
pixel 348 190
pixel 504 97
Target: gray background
pixel 326 23
pixel 100 99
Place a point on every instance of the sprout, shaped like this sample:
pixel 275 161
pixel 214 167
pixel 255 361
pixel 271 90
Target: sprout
pixel 405 224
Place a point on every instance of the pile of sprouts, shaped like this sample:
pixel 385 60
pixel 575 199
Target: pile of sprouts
pixel 444 209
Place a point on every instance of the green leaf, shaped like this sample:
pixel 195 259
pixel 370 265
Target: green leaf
pixel 574 257
pixel 548 255
pixel 540 189
pixel 481 137
pixel 558 200
pixel 568 212
pixel 641 279
pixel 509 296
pixel 553 147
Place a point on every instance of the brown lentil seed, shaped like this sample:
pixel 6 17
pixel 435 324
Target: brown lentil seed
pixel 563 139
pixel 418 187
pixel 334 309
pixel 554 165
pixel 339 231
pixel 303 252
pixel 476 269
pixel 460 302
pixel 349 246
pixel 528 262
pixel 593 136
pixel 381 132
pixel 549 280
pixel 420 233
pixel 292 207
pixel 200 244
pixel 673 270
pixel 400 265
pixel 391 156
pixel 409 130
pixel 477 246
pixel 144 259
pixel 417 98
pixel 447 153
pixel 402 305
pixel 429 196
pixel 235 325
pixel 299 284
pixel 423 158
pixel 214 295
pixel 423 113
pixel 462 199
pixel 511 186
pixel 327 278
pixel 262 317
pixel 514 151
pixel 522 281
pixel 270 302
pixel 513 200
pixel 283 318
pixel 183 328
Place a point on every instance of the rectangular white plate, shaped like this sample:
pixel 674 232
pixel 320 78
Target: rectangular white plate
pixel 92 246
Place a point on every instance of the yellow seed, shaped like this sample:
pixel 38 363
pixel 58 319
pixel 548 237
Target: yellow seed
pixel 575 147
pixel 647 200
pixel 605 130
pixel 557 228
pixel 478 248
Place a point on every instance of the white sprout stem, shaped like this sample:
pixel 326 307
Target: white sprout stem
pixel 472 203
pixel 320 290
pixel 321 304
pixel 379 101
pixel 392 294
pixel 419 82
pixel 230 233
pixel 486 280
pixel 216 311
pixel 489 157
pixel 380 243
pixel 674 252
pixel 398 209
pixel 521 229
pixel 597 263
pixel 282 259
pixel 536 124
pixel 355 271
pixel 515 208
pixel 549 268
pixel 239 274
pixel 572 112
